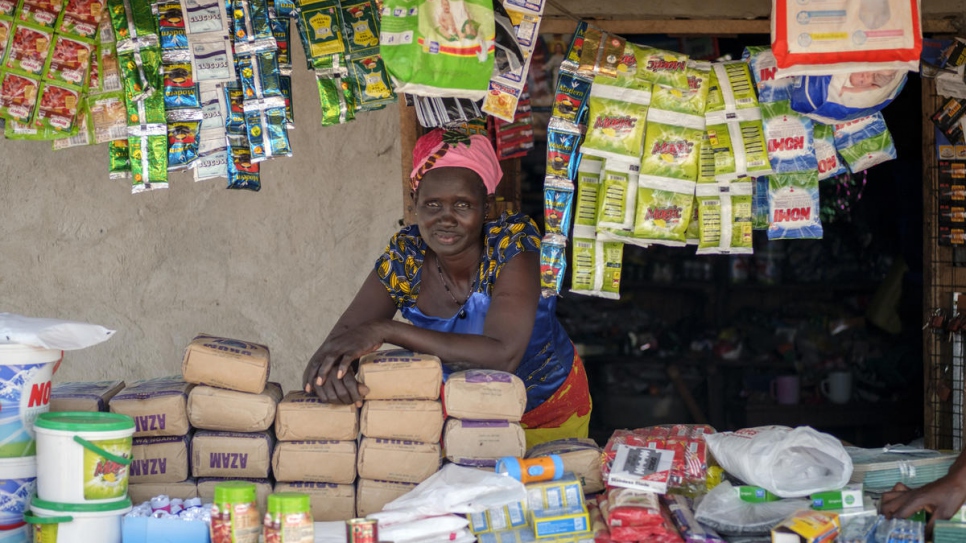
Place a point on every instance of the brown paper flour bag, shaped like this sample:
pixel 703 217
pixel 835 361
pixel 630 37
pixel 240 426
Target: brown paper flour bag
pixel 226 363
pixel 223 410
pixel 317 461
pixel 398 461
pixel 408 420
pixel 401 375
pixel 159 406
pixel 485 395
pixel 304 417
pixel 482 443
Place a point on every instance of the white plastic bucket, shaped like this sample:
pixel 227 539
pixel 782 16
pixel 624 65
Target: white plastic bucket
pixel 83 457
pixel 16 535
pixel 18 485
pixel 25 373
pixel 67 523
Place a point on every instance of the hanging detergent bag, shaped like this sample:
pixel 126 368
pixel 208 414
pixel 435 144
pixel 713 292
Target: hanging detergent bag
pixel 845 97
pixel 438 47
pixel 816 37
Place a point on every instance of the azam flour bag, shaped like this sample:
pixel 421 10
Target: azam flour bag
pixel 793 206
pixel 438 47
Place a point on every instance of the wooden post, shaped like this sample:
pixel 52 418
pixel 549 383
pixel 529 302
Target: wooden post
pixel 409 132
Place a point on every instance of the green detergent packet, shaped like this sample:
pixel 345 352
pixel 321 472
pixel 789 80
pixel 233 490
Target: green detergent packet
pixel 672 144
pixel 663 210
pixel 596 267
pixel 709 218
pixel 616 123
pixel 588 188
pixel 736 217
pixel 738 141
pixel 692 101
pixel 618 191
pixel 732 87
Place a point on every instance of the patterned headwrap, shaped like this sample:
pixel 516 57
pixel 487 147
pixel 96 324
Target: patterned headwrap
pixel 451 149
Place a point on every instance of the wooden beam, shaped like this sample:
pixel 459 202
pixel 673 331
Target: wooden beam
pixel 409 132
pixel 557 24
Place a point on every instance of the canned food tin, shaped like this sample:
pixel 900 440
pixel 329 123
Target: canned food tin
pixel 361 530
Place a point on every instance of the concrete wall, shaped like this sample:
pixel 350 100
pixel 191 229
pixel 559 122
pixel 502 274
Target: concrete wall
pixel 276 267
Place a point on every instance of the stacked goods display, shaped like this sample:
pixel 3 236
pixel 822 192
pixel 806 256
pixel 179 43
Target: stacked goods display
pixel 484 408
pixel 233 408
pixel 162 437
pixel 84 395
pixel 401 423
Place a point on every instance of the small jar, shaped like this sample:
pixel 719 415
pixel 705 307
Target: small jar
pixel 289 518
pixel 234 513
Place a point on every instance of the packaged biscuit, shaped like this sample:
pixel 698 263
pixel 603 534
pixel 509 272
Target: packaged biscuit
pixel 18 96
pixel 693 100
pixel 764 69
pixel 397 461
pixel 372 496
pixel 231 454
pixel 401 375
pixel 83 395
pixel 660 67
pixel 315 461
pixel 617 195
pixel 330 502
pixel 738 141
pixel 830 164
pixel 211 408
pixel 793 206
pixel 731 87
pixel 788 136
pixel 28 49
pixel 736 217
pixel 160 459
pixel 485 395
pixel 143 492
pixel 302 416
pixel 708 201
pixel 226 363
pixel 481 443
pixel 158 406
pixel 596 265
pixel 672 145
pixel 616 122
pixel 663 210
pixel 412 420
pixel 588 187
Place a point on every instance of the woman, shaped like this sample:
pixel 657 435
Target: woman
pixel 470 290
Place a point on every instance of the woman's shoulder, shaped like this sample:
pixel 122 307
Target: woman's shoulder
pixel 511 234
pixel 407 240
pixel 512 223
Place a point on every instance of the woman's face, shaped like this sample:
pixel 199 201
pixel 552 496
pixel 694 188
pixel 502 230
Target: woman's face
pixel 450 209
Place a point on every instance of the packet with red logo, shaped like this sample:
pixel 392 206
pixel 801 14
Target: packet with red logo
pixel 617 115
pixel 57 107
pixel 692 101
pixel 28 48
pixel 664 209
pixel 672 145
pixel 662 67
pixel 18 96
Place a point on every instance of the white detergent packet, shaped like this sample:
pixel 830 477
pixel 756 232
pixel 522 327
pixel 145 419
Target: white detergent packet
pixel 829 162
pixel 51 333
pixel 788 136
pixel 761 62
pixel 864 142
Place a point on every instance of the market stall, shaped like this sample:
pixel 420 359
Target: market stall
pixel 649 150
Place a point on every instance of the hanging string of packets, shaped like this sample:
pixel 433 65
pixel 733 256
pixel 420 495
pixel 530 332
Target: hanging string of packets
pixel 671 151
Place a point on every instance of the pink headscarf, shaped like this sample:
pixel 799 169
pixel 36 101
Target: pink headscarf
pixel 451 149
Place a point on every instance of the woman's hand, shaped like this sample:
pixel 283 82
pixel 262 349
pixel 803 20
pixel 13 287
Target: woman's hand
pixel 942 498
pixel 329 373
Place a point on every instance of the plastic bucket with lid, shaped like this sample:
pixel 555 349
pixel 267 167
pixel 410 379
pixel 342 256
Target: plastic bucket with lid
pixel 25 373
pixel 71 523
pixel 18 484
pixel 16 535
pixel 83 457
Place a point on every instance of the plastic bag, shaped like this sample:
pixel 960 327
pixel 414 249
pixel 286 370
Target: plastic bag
pixel 690 465
pixel 443 528
pixel 844 97
pixel 859 35
pixel 724 511
pixel 787 462
pixel 51 333
pixel 453 489
pixel 439 47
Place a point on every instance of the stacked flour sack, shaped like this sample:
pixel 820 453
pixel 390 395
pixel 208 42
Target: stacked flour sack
pixel 316 453
pixel 233 408
pixel 162 436
pixel 484 409
pixel 401 423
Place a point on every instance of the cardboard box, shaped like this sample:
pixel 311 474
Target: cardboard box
pixel 482 443
pixel 231 454
pixel 807 526
pixel 559 522
pixel 159 406
pixel 263 487
pixel 304 417
pixel 408 420
pixel 142 492
pixel 565 493
pixel 83 395
pixel 850 496
pixel 211 408
pixel 582 457
pixel 508 517
pixel 160 459
pixel 755 494
pixel 485 395
pixel 401 375
pixel 372 496
pixel 226 363
pixel 330 502
pixel 163 530
pixel 398 461
pixel 316 461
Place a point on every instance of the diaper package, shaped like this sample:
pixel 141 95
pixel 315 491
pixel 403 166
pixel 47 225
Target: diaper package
pixel 845 97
